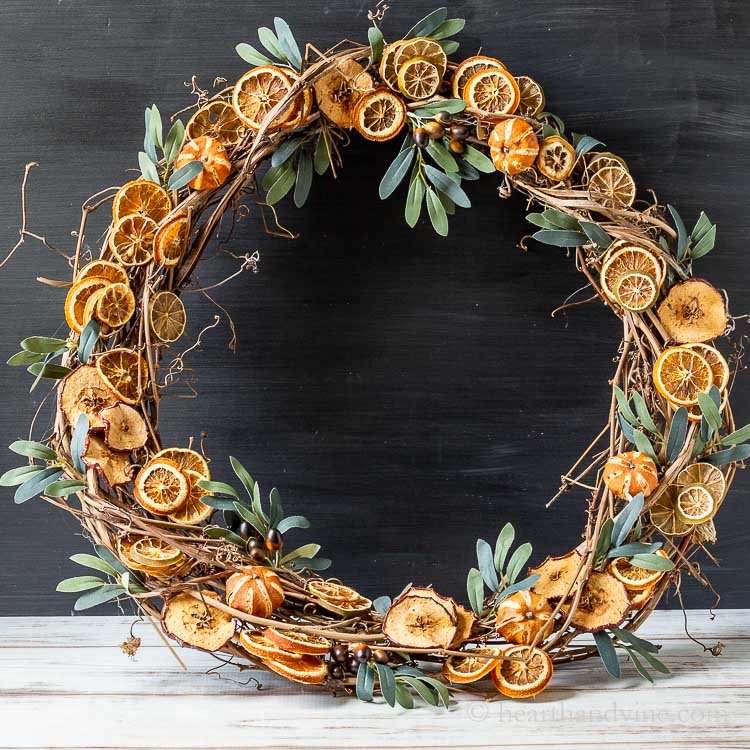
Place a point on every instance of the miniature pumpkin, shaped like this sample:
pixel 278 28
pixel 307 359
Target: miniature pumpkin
pixel 521 616
pixel 216 162
pixel 256 591
pixel 513 146
pixel 630 473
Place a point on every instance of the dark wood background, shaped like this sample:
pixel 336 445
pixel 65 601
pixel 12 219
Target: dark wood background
pixel 405 392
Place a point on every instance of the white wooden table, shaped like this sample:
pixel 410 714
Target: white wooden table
pixel 64 683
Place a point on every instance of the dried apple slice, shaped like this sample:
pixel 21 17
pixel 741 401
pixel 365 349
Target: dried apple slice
pixel 196 623
pixel 83 391
pixel 124 427
pixel 558 575
pixel 339 91
pixel 421 618
pixel 693 312
pixel 114 467
pixel 604 603
pixel 464 623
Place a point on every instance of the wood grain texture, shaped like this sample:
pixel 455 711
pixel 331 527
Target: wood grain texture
pixel 70 671
pixel 407 393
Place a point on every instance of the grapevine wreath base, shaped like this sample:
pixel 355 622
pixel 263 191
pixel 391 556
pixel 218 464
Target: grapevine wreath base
pixel 213 566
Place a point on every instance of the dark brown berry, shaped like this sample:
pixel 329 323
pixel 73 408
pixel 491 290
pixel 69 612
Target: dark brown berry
pixel 443 117
pixel 420 137
pixel 337 672
pixel 257 555
pixel 340 653
pixel 352 664
pixel 274 540
pixel 362 653
pixel 245 530
pixel 457 147
pixel 380 656
pixel 434 129
pixel 459 132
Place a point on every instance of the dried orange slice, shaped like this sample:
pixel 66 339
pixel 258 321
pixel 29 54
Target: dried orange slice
pixel 167 316
pixel 718 364
pixel 462 670
pixel 624 258
pixel 379 115
pixel 633 577
pixel 78 295
pixel 125 372
pixel 525 675
pixel 612 187
pixel 418 78
pixel 556 158
pixel 309 670
pixel 257 644
pixel 335 593
pixel 154 552
pixel 258 92
pixel 466 69
pixel 186 459
pixel 194 511
pixel 636 291
pixel 141 198
pixel 115 305
pixel 212 155
pixel 639 598
pixel 680 374
pixel 298 642
pixel 104 269
pixel 695 505
pixel 161 488
pixel 388 71
pixel 531 97
pixel 492 92
pixel 217 120
pixel 304 103
pixel 421 46
pixel 171 240
pixel 132 240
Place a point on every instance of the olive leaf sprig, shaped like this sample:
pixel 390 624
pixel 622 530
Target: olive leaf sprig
pixel 398 684
pixel 695 244
pixel 279 43
pixel 635 647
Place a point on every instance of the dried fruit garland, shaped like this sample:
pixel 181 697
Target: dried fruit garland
pixel 215 567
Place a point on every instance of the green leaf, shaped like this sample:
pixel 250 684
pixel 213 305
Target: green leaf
pixel 449 27
pixel 452 106
pixel 148 168
pixel 626 518
pixel 292 522
pixel 244 476
pixel 607 653
pixel 502 545
pixel 23 359
pixel 87 341
pixel 442 157
pixel 624 405
pixel 475 590
pixel 682 235
pixel 486 564
pixel 414 199
pixel 425 693
pixel 365 682
pixel 560 238
pixel 375 37
pixel 403 696
pixel 702 226
pixel 64 487
pixel 677 434
pixel 639 644
pixel 395 172
pixel 643 444
pixel 387 683
pixel 633 548
pixel 522 585
pixel 596 234
pixel 185 174
pixel 271 43
pixel 710 410
pixel 738 436
pixel 448 204
pixel 91 561
pixel 19 475
pixel 252 518
pixel 478 159
pixel 560 220
pixel 658 665
pixel 174 141
pixel 381 604
pixel 216 532
pixel 437 213
pixel 445 185
pixel 101 595
pixel 538 220
pixel 276 511
pixel 218 488
pixel 156 128
pixel 585 143
pixel 35 484
pixel 651 562
pixel 79 583
pixel 642 671
pixel 108 557
pixel 46 370
pixel 439 688
pixel 449 46
pixel 282 185
pixel 288 42
pixel 43 345
pixel 644 416
pixel 304 179
pixel 517 560
pixel 306 550
pixel 251 55
pixel 729 456
pixel 317 563
pixel 605 539
pixel 321 160
pixel 626 428
pixel 32 449
pixel 148 143
pixel 706 244
pixel 285 151
pixel 428 24
pixel 78 441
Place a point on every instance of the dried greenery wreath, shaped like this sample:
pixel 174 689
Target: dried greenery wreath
pixel 214 567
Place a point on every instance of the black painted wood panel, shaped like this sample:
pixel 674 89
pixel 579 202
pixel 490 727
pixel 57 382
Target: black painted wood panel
pixel 407 393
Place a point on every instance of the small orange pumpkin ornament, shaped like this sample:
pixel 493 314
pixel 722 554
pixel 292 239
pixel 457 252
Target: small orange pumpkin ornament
pixel 630 473
pixel 256 591
pixel 521 616
pixel 216 162
pixel 513 146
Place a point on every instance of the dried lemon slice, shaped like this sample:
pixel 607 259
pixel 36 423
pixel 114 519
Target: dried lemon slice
pixel 379 115
pixel 125 372
pixel 695 505
pixel 612 187
pixel 167 316
pixel 664 516
pixel 421 46
pixel 526 674
pixel 141 198
pixel 418 78
pixel 531 97
pixel 709 476
pixel 680 374
pixel 161 488
pixel 477 663
pixel 387 70
pixel 556 158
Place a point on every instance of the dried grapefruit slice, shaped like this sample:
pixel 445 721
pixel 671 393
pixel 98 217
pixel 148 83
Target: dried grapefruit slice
pixel 466 69
pixel 161 488
pixel 492 92
pixel 78 295
pixel 141 198
pixel 186 459
pixel 125 372
pixel 104 269
pixel 298 642
pixel 526 674
pixel 258 92
pixel 167 316
pixel 531 97
pixel 194 511
pixel 477 663
pixel 379 115
pixel 418 78
pixel 217 120
pixel 633 577
pixel 132 240
pixel 612 187
pixel 170 240
pixel 680 374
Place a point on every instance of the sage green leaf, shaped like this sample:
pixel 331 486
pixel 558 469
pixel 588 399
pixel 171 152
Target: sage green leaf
pixel 257 505
pixel 387 683
pixel 466 171
pixel 321 159
pixel 605 539
pixel 49 371
pixel 677 434
pixel 156 129
pixel 64 487
pixel 449 27
pixel 108 557
pixel 503 544
pixel 32 449
pixel 396 172
pixel 185 174
pixel 702 226
pixel 43 345
pixel 375 37
pixel 217 488
pixel 303 182
pixel 517 560
pixel 271 43
pixel 252 518
pixel 486 565
pixel 23 359
pixel 437 214
pixel 439 688
pixel 449 46
pixel 403 696
pixel 596 234
pixel 738 436
pixel 78 441
pixel 626 519
pixel 87 341
pixel 538 220
pixel 79 583
pixel 292 522
pixel 288 42
pixel 643 444
pixel 381 604
pixel 148 143
pixel 282 185
pixel 243 475
pixel 148 168
pixel 585 143
pixel 706 244
pixel 36 484
pixel 624 405
pixel 633 548
pixel 478 159
pixel 285 151
pixel 306 550
pixel 658 665
pixel 644 416
pixel 174 141
pixel 642 671
pixel 445 185
pixel 475 590
pixel 559 124
pixel 452 106
pixel 425 693
pixel 710 411
pixel 548 131
pixel 316 563
pixel 640 644
pixel 414 199
pixel 448 204
pixel 19 475
pixel 216 532
pixel 560 238
pixel 682 235
pixel 560 220
pixel 626 428
pixel 251 55
pixel 441 156
pixel 729 456
pixel 651 562
pixel 607 653
pixel 365 682
pixel 276 511
pixel 100 596
pixel 428 24
pixel 521 585
pixel 91 561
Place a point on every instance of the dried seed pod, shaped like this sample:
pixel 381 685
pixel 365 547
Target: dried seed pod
pixel 114 467
pixel 340 89
pixel 256 591
pixel 83 391
pixel 195 623
pixel 558 575
pixel 692 312
pixel 421 618
pixel 604 603
pixel 124 427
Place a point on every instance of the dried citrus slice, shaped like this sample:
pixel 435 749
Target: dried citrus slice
pixel 154 552
pixel 680 374
pixel 633 577
pixel 194 511
pixel 695 505
pixel 186 459
pixel 161 488
pixel 125 372
pixel 388 71
pixel 492 92
pixel 462 670
pixel 78 295
pixel 258 92
pixel 257 644
pixel 421 46
pixel 524 675
pixel 531 97
pixel 336 593
pixel 141 198
pixel 612 187
pixel 212 155
pixel 466 69
pixel 132 240
pixel 379 115
pixel 719 366
pixel 104 269
pixel 596 160
pixel 171 240
pixel 707 475
pixel 167 316
pixel 664 515
pixel 218 120
pixel 115 305
pixel 304 102
pixel 639 598
pixel 309 670
pixel 636 291
pixel 556 158
pixel 298 642
pixel 418 78
pixel 624 258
